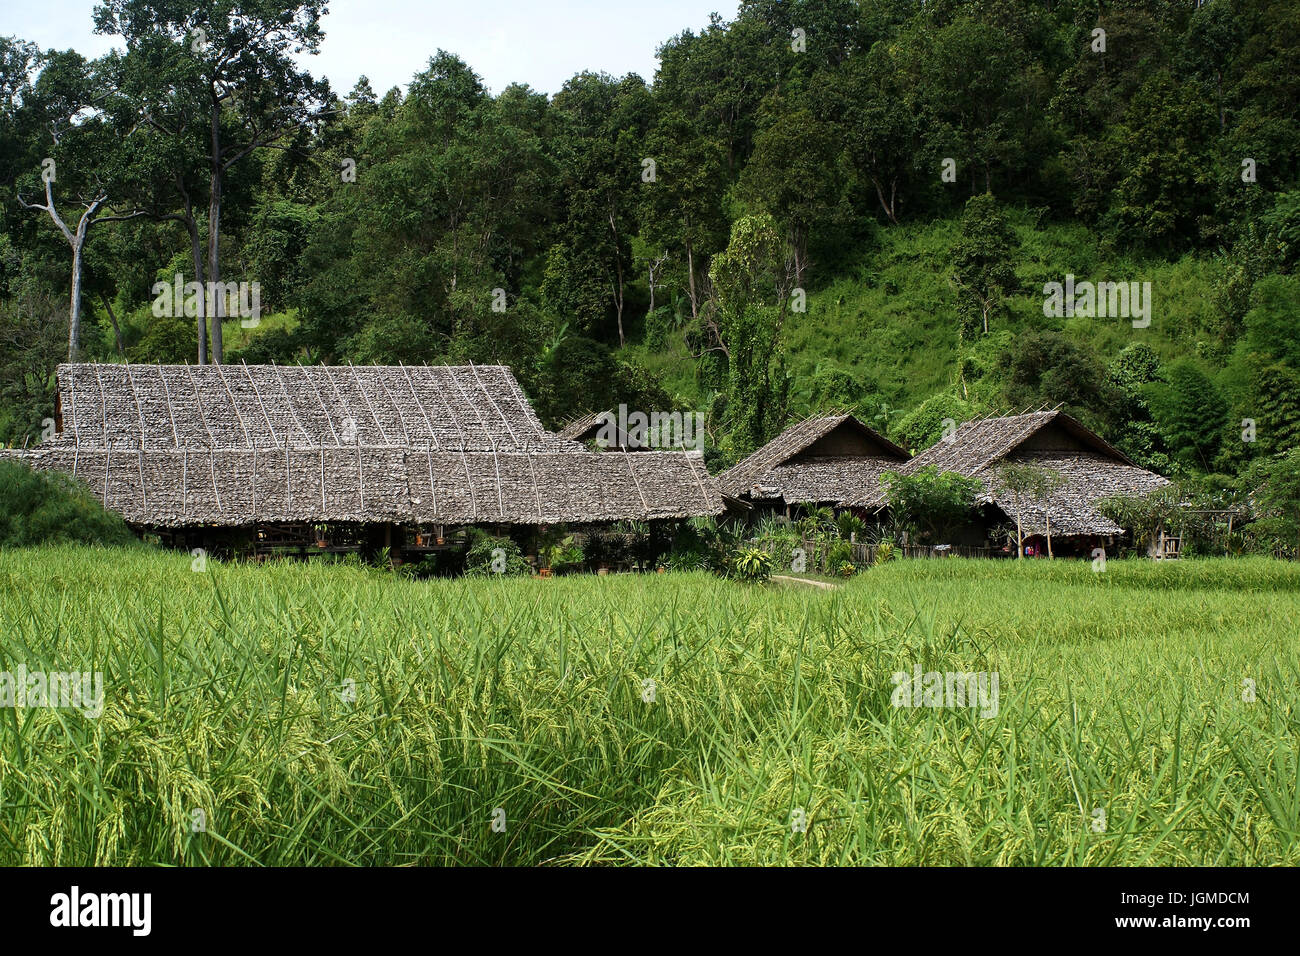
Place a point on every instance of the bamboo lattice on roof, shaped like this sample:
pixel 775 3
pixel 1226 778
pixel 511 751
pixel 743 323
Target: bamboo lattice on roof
pixel 471 449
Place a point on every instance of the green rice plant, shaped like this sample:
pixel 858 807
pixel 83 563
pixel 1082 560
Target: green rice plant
pixel 321 714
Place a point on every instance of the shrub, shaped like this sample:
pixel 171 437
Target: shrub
pixel 781 546
pixel 931 503
pixel 885 552
pixel 751 564
pixel 688 559
pixel 492 555
pixel 565 557
pixel 44 507
pixel 848 524
pixel 841 553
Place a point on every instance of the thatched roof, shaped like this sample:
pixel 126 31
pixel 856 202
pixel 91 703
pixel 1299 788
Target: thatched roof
pixel 1091 469
pixel 585 428
pixel 834 458
pixel 238 486
pixel 268 406
pixel 248 444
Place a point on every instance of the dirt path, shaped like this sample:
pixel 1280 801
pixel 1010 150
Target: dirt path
pixel 824 585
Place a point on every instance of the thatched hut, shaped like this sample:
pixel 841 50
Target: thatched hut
pixel 1085 468
pixel 182 446
pixel 832 460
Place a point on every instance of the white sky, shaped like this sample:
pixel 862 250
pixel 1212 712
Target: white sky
pixel 536 42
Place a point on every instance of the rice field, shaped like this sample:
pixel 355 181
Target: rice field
pixel 325 715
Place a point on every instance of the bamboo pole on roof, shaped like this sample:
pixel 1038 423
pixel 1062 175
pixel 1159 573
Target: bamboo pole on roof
pixel 361 479
pixel 704 495
pixel 451 412
pixel 343 404
pixel 469 483
pixel 356 377
pixel 627 457
pixel 420 405
pixel 203 414
pixel 329 419
pixel 455 381
pixel 496 460
pixel 135 397
pixel 513 437
pixel 496 464
pixel 288 397
pixel 433 483
pixel 72 388
pixel 537 492
pixel 260 404
pixel 167 394
pixel 221 374
pixel 212 471
pixel 144 500
pixel 103 408
pixel 401 419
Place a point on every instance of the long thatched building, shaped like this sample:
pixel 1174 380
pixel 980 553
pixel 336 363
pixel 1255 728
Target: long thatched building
pixel 1085 468
pixel 242 445
pixel 831 460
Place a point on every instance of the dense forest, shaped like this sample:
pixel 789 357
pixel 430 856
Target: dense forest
pixel 823 204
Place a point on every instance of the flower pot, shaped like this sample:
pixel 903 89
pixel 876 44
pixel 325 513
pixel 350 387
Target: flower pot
pixel 545 572
pixel 602 570
pixel 440 539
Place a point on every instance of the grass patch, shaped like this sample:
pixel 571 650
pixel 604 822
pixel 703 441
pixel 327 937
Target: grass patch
pixel 225 693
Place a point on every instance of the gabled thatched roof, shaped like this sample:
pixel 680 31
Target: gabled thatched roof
pixel 834 458
pixel 268 406
pixel 237 445
pixel 1091 469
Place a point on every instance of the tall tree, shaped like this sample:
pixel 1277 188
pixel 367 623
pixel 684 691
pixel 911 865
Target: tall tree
pixel 794 174
pixel 240 86
pixel 87 163
pixel 601 145
pixel 982 264
pixel 751 281
pixel 682 209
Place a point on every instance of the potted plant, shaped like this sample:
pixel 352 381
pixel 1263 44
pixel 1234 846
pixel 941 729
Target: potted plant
pixel 322 540
pixel 565 557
